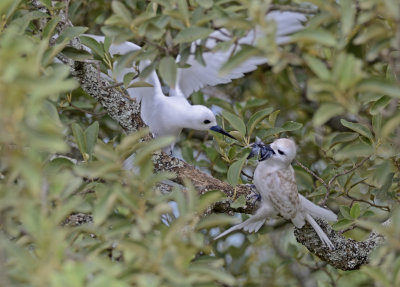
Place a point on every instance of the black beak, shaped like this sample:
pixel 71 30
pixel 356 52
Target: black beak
pixel 220 130
pixel 265 151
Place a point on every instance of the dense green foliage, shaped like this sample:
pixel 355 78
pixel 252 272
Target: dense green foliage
pixel 334 88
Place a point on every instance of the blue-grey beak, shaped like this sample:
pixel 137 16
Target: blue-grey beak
pixel 220 130
pixel 265 151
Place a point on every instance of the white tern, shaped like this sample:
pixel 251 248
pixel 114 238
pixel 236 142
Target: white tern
pixel 274 179
pixel 169 115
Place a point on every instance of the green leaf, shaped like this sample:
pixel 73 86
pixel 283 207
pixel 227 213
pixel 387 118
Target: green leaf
pixel 218 274
pixel 377 125
pixel 245 53
pixel 320 36
pixel 272 118
pixel 145 152
pixel 359 128
pixel 93 45
pixel 50 26
pixel 80 139
pixel 168 70
pixel 140 84
pixel 269 132
pixel 10 5
pixel 378 275
pixel 342 138
pixel 209 198
pixel 69 33
pixel 46 3
pixel 379 105
pixel 355 211
pixel 318 67
pixel 104 204
pixel 239 202
pixel 91 134
pixel 77 55
pixel 192 34
pixel 342 224
pixel 216 220
pixel 390 126
pixel 345 211
pixel 354 150
pixel 291 126
pixel 256 118
pixel 236 122
pixel 379 86
pixel 348 11
pixel 325 112
pixel 128 77
pixel 121 10
pixel 53 113
pixel 235 170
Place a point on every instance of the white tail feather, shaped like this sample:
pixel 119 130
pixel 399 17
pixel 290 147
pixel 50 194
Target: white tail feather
pixel 317 211
pixel 324 238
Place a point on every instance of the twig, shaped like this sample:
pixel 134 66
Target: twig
pixel 340 174
pixel 313 174
pixel 246 175
pixel 384 207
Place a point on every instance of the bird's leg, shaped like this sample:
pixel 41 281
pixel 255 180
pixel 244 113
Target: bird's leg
pixel 255 196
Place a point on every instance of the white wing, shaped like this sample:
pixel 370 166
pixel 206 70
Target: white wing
pixel 197 76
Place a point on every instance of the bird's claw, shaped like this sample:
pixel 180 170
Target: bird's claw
pixel 255 197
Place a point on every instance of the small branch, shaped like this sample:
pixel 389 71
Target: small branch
pixel 328 186
pixel 348 171
pixel 313 174
pixel 383 207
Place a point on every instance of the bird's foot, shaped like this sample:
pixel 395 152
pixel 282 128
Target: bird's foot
pixel 255 197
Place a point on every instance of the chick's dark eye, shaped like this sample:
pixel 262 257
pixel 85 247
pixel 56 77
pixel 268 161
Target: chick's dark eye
pixel 207 122
pixel 280 152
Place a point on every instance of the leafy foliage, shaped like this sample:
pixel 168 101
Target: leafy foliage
pixel 334 88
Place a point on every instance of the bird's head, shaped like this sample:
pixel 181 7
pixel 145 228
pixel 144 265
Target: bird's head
pixel 280 151
pixel 202 118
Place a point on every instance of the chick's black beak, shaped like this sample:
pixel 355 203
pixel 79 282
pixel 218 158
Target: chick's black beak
pixel 266 152
pixel 220 130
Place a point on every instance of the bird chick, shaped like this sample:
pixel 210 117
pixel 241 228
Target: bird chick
pixel 274 179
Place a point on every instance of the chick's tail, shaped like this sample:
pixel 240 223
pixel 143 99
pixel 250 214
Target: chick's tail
pixel 317 211
pixel 250 225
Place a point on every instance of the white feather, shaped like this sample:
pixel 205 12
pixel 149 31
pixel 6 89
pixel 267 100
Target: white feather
pixel 198 76
pixel 317 211
pixel 324 238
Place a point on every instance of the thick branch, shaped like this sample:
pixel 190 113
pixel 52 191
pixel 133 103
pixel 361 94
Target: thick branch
pixel 348 254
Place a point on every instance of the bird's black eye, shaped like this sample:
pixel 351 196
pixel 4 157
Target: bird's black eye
pixel 280 152
pixel 207 122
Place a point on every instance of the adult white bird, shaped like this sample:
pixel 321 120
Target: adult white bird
pixel 169 115
pixel 274 179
